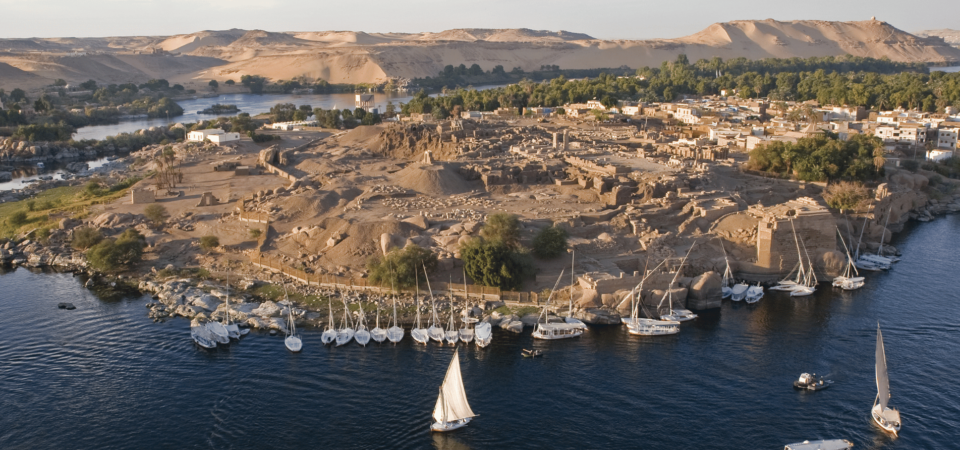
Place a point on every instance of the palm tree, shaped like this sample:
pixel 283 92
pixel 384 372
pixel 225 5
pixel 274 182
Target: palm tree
pixel 879 160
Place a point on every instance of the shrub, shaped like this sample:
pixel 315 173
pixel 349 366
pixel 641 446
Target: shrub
pixel 255 233
pixel 400 267
pixel 846 195
pixel 115 254
pixel 86 237
pixel 31 205
pixel 208 243
pixel 550 242
pixel 18 218
pixel 155 213
pixel 502 227
pixel 494 263
pixel 909 164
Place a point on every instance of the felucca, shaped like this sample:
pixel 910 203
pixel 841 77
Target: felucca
pixel 329 332
pixel 452 410
pixel 636 296
pixel 570 319
pixel 466 333
pixel 850 278
pixel 362 335
pixel 677 314
pixel 554 330
pixel 726 283
pixel 886 417
pixel 809 284
pixel 435 332
pixel 418 333
pixel 233 331
pixel 395 333
pixel 451 335
pixel 378 334
pixel 292 341
pixel 346 331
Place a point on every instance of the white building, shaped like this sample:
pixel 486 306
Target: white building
pixel 289 126
pixel 903 134
pixel 947 137
pixel 365 102
pixel 939 155
pixel 215 135
pixel 687 114
pixel 223 138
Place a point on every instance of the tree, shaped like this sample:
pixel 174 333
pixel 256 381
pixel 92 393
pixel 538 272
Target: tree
pixel 168 169
pixel 846 195
pixel 502 227
pixel 254 83
pixel 493 263
pixel 114 254
pixel 255 233
pixel 213 85
pixel 229 82
pixel 17 95
pixel 400 267
pixel 60 82
pixel 208 243
pixel 879 160
pixel 86 237
pixel 156 213
pixel 550 242
pixel 283 112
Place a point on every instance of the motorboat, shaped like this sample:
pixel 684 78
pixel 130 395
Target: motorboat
pixel 884 416
pixel 754 294
pixel 826 444
pixel 483 334
pixel 452 410
pixel 810 382
pixel 653 327
pixel 739 291
pixel 531 353
pixel 202 336
pixel 554 330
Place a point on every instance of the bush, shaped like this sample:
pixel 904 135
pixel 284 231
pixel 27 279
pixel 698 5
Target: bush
pixel 31 205
pixel 909 164
pixel 502 227
pixel 155 213
pixel 846 195
pixel 115 254
pixel 86 237
pixel 208 243
pixel 255 233
pixel 18 218
pixel 494 263
pixel 550 242
pixel 399 268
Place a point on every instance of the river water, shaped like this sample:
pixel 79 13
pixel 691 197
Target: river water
pixel 106 376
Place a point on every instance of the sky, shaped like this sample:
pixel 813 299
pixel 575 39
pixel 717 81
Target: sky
pixel 609 19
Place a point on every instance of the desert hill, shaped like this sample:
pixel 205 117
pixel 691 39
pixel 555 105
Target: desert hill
pixel 355 57
pixel 951 37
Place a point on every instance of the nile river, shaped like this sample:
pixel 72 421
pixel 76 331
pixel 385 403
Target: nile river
pixel 105 376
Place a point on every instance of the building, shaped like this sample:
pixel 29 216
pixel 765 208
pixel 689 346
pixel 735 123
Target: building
pixel 902 134
pixel 141 196
pixel 223 138
pixel 815 231
pixel 290 126
pixel 947 137
pixel 687 114
pixel 365 102
pixel 216 135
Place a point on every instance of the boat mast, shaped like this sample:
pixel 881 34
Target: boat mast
pixel 801 275
pixel 860 241
pixel 433 302
pixel 883 234
pixel 573 268
pixel 416 301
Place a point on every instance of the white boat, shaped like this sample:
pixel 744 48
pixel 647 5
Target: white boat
pixel 466 333
pixel 346 331
pixel 653 327
pixel 739 291
pixel 806 279
pixel 676 314
pixel 726 283
pixel 418 333
pixel 362 335
pixel 452 410
pixel 329 332
pixel 870 262
pixel 452 336
pixel 754 294
pixel 434 332
pixel 218 331
pixel 886 417
pixel 378 334
pixel 826 444
pixel 233 331
pixel 554 330
pixel 483 334
pixel 569 318
pixel 202 336
pixel 292 341
pixel 395 333
pixel 636 297
pixel 850 278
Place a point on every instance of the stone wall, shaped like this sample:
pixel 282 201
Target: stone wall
pixel 815 230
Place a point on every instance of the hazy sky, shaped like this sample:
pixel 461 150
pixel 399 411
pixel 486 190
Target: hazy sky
pixel 611 19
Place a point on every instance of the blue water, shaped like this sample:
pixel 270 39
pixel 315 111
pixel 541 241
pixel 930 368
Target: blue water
pixel 105 376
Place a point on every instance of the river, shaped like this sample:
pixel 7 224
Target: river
pixel 106 376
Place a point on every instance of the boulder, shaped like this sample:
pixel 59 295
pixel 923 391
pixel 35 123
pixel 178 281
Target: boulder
pixel 257 323
pixel 386 243
pixel 514 326
pixel 267 309
pixel 418 221
pixel 705 291
pixel 833 262
pixel 207 302
pixel 609 300
pixel 5 176
pixel 598 316
pixel 589 299
pixel 530 320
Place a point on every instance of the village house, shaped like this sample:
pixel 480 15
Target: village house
pixel 215 135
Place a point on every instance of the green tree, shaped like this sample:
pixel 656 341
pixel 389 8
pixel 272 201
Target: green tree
pixel 86 237
pixel 502 227
pixel 115 254
pixel 229 82
pixel 18 95
pixel 254 82
pixel 550 242
pixel 208 243
pixel 156 213
pixel 213 85
pixel 493 263
pixel 400 267
pixel 255 233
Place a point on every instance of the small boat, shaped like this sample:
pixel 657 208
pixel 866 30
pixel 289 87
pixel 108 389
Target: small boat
pixel 232 329
pixel 569 318
pixel 292 341
pixel 553 330
pixel 886 417
pixel 218 331
pixel 346 331
pixel 418 333
pixel 870 262
pixel 754 294
pixel 826 444
pixel 466 333
pixel 810 382
pixel 807 285
pixel 452 336
pixel 329 333
pixel 452 410
pixel 739 291
pixel 378 334
pixel 362 335
pixel 850 278
pixel 653 327
pixel 531 353
pixel 483 334
pixel 395 333
pixel 678 314
pixel 726 283
pixel 434 332
pixel 202 336
pixel 41 166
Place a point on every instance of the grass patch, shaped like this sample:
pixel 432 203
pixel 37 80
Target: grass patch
pixel 521 311
pixel 187 272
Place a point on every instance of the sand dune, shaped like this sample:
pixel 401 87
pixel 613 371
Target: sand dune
pixel 355 57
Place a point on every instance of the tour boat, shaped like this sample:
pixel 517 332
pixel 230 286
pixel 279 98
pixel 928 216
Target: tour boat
pixel 329 333
pixel 810 382
pixel 554 330
pixel 653 327
pixel 434 332
pixel 676 314
pixel 826 444
pixel 395 333
pixel 452 410
pixel 483 334
pixel 739 291
pixel 850 278
pixel 346 331
pixel 202 336
pixel 362 335
pixel 570 319
pixel 886 417
pixel 292 341
pixel 754 293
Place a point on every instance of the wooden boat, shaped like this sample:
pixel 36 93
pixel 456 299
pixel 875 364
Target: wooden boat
pixel 452 410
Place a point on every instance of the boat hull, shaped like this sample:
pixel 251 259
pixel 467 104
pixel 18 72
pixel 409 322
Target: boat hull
pixel 328 337
pixel 877 415
pixel 443 427
pixel 293 343
pixel 419 335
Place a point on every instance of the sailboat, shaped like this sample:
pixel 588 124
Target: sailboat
pixel 202 336
pixel 850 278
pixel 218 331
pixel 754 293
pixel 570 319
pixel 879 259
pixel 292 341
pixel 677 314
pixel 554 330
pixel 362 335
pixel 452 410
pixel 726 283
pixel 418 333
pixel 649 326
pixel 483 334
pixel 809 284
pixel 869 262
pixel 395 333
pixel 378 334
pixel 452 335
pixel 789 283
pixel 435 332
pixel 886 417
pixel 346 331
pixel 636 296
pixel 233 331
pixel 465 332
pixel 329 333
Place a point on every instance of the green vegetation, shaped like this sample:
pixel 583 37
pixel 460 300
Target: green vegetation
pixel 502 227
pixel 822 158
pixel 111 255
pixel 346 118
pixel 255 233
pixel 550 242
pixel 208 243
pixel 494 263
pixel 156 213
pixel 86 237
pixel 847 195
pixel 262 137
pixel 400 267
pixel 18 218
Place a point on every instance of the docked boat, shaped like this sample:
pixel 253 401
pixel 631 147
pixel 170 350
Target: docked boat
pixel 653 327
pixel 452 335
pixel 869 262
pixel 329 332
pixel 885 416
pixel 483 334
pixel 395 333
pixel 739 292
pixel 218 331
pixel 418 333
pixel 850 279
pixel 452 410
pixel 677 314
pixel 808 284
pixel 554 330
pixel 233 330
pixel 754 294
pixel 435 332
pixel 362 334
pixel 202 336
pixel 466 332
pixel 292 341
pixel 636 297
pixel 569 318
pixel 346 331
pixel 726 283
pixel 810 382
pixel 826 444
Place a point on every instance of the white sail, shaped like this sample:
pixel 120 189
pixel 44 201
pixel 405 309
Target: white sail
pixel 883 383
pixel 452 402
